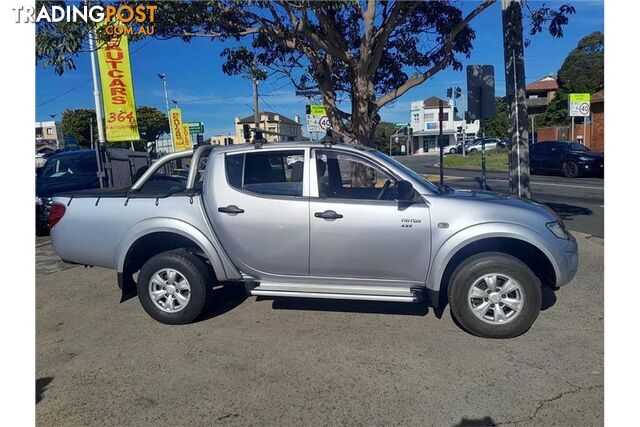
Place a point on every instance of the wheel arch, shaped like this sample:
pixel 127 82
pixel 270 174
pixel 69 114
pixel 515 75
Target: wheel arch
pixel 515 240
pixel 150 237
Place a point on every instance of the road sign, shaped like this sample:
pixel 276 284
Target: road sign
pixel 579 104
pixel 308 92
pixel 317 119
pixel 400 125
pixel 196 128
pixel 481 92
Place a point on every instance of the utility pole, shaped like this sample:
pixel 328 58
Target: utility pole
pixel 519 178
pixel 256 113
pixel 440 138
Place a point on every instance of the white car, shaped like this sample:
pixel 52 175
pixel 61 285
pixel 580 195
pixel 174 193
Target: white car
pixel 489 144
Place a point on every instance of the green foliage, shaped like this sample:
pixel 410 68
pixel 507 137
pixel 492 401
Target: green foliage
pixel 581 72
pixel 151 123
pixel 498 125
pixel 382 134
pixel 583 69
pixel 78 123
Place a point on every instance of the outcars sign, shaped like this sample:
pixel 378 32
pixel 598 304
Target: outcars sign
pixel 180 131
pixel 579 104
pixel 117 90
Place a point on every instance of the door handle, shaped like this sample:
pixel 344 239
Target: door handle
pixel 328 215
pixel 231 210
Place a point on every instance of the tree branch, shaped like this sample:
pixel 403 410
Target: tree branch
pixel 447 50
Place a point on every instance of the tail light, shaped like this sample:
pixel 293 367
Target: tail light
pixel 56 214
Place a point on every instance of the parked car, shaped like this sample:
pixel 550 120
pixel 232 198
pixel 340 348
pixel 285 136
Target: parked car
pixel 341 222
pixel 64 171
pixel 489 144
pixel 569 158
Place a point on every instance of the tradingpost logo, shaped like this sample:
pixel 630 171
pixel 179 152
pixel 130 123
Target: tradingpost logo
pixel 137 20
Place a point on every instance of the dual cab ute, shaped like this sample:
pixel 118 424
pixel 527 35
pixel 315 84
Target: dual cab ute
pixel 317 220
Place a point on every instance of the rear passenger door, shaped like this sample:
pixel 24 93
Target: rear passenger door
pixel 261 209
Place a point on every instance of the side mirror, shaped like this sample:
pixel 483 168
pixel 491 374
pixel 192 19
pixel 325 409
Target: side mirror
pixel 405 192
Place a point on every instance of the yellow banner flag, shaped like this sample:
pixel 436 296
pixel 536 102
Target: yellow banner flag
pixel 117 90
pixel 181 141
pixel 187 137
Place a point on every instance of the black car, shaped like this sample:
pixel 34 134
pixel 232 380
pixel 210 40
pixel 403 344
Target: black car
pixel 64 171
pixel 569 158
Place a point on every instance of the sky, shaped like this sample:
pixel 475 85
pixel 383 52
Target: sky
pixel 204 93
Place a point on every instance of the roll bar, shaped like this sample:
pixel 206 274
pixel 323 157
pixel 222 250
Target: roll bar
pixel 191 178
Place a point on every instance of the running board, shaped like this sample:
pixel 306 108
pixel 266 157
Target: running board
pixel 296 294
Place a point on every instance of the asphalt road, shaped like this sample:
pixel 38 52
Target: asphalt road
pixel 281 361
pixel 579 201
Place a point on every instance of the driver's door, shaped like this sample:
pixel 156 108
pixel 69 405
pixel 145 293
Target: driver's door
pixel 357 228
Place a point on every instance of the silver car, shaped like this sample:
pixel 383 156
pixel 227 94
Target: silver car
pixel 317 220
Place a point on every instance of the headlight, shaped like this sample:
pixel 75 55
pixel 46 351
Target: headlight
pixel 38 201
pixel 585 159
pixel 558 229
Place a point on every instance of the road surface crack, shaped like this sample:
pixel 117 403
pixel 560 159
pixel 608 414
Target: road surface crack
pixel 544 402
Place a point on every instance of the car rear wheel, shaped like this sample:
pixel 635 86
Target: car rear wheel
pixel 174 287
pixel 495 295
pixel 570 169
pixel 453 150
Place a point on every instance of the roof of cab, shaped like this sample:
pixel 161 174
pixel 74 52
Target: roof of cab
pixel 289 144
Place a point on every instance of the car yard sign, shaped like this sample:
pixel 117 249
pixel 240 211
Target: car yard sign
pixel 579 104
pixel 117 90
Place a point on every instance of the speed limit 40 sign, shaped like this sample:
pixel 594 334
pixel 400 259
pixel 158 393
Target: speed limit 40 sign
pixel 579 104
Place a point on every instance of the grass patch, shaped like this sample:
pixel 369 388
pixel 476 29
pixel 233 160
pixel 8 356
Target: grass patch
pixel 497 160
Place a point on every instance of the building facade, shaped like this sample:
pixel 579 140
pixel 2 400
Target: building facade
pixel 278 127
pixel 49 134
pixel 425 126
pixel 540 93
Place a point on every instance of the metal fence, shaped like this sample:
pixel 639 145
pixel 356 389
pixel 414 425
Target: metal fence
pixel 124 167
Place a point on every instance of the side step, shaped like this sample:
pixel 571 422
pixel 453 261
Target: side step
pixel 362 297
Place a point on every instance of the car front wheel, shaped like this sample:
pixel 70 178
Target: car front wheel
pixel 495 295
pixel 570 169
pixel 174 287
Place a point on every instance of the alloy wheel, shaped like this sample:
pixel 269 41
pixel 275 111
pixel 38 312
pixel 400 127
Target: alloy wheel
pixel 496 298
pixel 169 290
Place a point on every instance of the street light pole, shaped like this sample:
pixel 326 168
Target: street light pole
pixel 163 78
pixel 98 105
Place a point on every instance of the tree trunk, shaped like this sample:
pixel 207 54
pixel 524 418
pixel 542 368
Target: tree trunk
pixel 519 178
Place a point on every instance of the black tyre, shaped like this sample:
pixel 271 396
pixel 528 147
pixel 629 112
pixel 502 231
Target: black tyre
pixel 174 287
pixel 453 150
pixel 494 295
pixel 473 150
pixel 570 169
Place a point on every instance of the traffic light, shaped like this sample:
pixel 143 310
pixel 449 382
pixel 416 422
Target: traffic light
pixel 246 132
pixel 458 92
pixel 449 92
pixel 199 138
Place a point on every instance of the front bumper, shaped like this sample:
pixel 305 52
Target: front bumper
pixel 592 168
pixel 567 260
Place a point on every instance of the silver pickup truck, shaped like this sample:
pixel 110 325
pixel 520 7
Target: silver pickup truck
pixel 317 220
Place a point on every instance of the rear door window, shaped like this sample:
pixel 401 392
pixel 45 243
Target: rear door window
pixel 276 173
